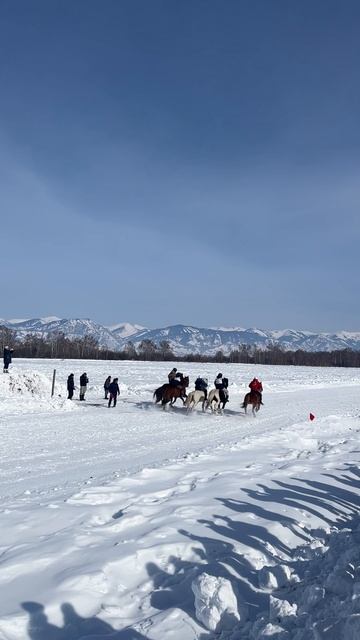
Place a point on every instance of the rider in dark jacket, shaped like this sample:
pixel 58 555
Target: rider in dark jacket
pixel 201 384
pixel 221 384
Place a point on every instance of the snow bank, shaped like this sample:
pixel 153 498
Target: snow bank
pixel 324 603
pixel 25 391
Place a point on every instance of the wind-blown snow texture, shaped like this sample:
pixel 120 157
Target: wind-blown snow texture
pixel 186 339
pixel 134 523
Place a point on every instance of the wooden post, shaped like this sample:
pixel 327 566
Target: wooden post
pixel 53 383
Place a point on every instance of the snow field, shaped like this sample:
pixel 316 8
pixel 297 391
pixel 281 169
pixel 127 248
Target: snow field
pixel 166 525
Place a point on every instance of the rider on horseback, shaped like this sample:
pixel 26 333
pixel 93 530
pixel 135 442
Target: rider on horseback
pixel 201 384
pixel 174 377
pixel 221 384
pixel 256 386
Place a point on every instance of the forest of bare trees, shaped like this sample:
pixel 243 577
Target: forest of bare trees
pixel 57 345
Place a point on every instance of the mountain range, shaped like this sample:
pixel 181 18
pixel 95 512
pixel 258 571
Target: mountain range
pixel 185 339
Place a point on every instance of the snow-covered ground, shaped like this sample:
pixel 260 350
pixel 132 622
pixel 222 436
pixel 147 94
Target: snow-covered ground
pixel 134 523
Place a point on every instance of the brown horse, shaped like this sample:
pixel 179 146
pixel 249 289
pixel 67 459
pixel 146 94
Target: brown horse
pixel 171 393
pixel 159 392
pixel 254 398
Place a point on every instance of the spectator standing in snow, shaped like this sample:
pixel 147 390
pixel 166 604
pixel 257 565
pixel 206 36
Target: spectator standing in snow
pixel 106 386
pixel 70 386
pixel 114 392
pixel 84 380
pixel 7 358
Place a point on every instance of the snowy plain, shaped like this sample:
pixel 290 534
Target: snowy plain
pixel 136 523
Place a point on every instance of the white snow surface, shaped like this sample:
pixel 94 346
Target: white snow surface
pixel 136 523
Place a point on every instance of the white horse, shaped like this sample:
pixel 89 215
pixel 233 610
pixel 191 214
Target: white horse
pixel 214 402
pixel 194 397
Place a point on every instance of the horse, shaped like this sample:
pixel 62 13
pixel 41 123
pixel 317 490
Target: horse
pixel 255 399
pixel 158 393
pixel 214 397
pixel 171 393
pixel 194 398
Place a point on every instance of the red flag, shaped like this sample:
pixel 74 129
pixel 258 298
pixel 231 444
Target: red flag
pixel 311 416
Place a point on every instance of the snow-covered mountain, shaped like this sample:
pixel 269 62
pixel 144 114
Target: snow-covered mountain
pixel 185 339
pixel 125 329
pixel 71 327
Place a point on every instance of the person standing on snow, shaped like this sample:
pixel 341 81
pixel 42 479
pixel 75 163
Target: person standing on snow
pixel 106 387
pixel 7 358
pixel 114 392
pixel 70 386
pixel 84 381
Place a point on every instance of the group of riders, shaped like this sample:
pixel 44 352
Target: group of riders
pixel 220 383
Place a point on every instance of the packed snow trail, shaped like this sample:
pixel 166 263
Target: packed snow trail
pixel 150 524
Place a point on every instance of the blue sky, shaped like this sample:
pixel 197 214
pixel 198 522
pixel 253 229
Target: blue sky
pixel 195 161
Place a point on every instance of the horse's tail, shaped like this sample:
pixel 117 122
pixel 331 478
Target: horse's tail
pixel 157 394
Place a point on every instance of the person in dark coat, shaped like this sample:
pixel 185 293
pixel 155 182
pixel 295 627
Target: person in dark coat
pixel 114 392
pixel 70 386
pixel 84 380
pixel 201 384
pixel 7 358
pixel 221 384
pixel 106 386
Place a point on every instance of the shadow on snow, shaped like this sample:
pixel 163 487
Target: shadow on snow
pixel 75 627
pixel 219 554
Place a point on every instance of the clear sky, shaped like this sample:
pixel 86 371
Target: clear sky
pixel 181 161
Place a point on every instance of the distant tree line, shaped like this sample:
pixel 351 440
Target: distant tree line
pixel 57 345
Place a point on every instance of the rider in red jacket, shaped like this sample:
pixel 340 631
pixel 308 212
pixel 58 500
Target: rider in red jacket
pixel 256 385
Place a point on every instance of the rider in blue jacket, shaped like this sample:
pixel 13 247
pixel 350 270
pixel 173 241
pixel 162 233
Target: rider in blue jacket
pixel 201 384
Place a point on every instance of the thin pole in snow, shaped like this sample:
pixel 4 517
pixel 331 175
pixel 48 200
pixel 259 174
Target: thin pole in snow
pixel 53 383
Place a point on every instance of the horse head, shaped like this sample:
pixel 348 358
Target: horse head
pixel 185 381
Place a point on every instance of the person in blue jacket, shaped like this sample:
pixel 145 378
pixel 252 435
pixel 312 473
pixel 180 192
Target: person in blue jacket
pixel 201 384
